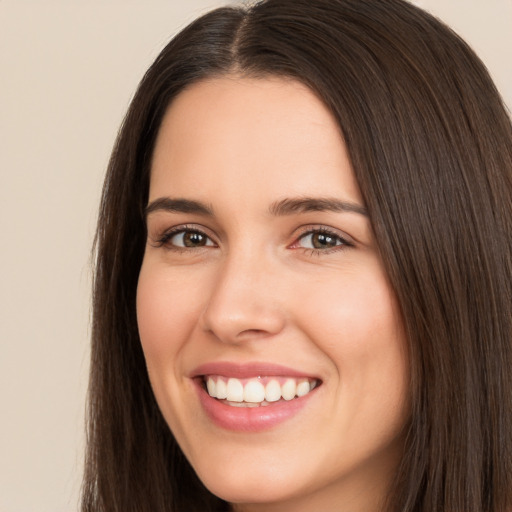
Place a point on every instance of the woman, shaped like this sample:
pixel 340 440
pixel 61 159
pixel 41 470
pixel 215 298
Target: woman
pixel 302 295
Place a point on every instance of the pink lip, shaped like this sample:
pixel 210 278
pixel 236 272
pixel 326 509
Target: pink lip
pixel 247 419
pixel 247 370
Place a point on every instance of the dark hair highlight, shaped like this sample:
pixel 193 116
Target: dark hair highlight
pixel 431 146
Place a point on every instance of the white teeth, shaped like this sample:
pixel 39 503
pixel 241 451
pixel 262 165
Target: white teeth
pixel 254 392
pixel 222 390
pixel 288 389
pixel 235 391
pixel 272 391
pixel 303 388
pixel 212 388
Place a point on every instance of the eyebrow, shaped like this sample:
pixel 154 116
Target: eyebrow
pixel 314 204
pixel 280 208
pixel 178 206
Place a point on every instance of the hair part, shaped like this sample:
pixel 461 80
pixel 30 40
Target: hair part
pixel 431 147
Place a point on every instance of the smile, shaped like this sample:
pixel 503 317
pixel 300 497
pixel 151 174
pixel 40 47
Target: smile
pixel 259 391
pixel 252 397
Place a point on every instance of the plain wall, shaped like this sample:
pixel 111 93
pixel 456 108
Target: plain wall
pixel 67 73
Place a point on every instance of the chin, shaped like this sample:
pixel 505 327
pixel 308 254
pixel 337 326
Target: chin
pixel 252 484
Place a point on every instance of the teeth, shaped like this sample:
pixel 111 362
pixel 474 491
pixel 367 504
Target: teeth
pixel 254 391
pixel 272 391
pixel 288 389
pixel 303 388
pixel 235 391
pixel 211 386
pixel 222 390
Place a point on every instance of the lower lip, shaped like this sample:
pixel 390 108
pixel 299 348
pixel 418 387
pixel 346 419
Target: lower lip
pixel 249 419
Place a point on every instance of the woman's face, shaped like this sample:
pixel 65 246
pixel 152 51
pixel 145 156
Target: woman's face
pixel 261 280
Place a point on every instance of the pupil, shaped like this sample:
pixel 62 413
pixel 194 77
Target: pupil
pixel 192 239
pixel 321 240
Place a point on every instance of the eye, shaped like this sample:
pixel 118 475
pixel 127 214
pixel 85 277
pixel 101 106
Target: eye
pixel 321 240
pixel 182 238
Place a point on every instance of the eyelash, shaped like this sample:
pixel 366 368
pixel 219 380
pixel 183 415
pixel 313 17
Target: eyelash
pixel 341 246
pixel 163 241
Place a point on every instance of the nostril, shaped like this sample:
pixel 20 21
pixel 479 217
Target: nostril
pixel 253 333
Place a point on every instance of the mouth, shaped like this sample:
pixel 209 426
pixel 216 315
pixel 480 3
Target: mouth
pixel 257 391
pixel 252 397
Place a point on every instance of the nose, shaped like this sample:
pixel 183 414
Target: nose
pixel 245 302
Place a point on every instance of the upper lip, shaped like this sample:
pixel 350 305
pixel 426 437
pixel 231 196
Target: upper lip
pixel 247 370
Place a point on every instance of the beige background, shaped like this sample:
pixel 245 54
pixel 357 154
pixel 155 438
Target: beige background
pixel 67 72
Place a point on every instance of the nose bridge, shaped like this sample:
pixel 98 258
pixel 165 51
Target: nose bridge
pixel 244 301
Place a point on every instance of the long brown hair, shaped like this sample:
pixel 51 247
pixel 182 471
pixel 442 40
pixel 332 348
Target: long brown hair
pixel 431 146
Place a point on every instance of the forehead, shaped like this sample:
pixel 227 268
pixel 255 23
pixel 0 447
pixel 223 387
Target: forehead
pixel 234 134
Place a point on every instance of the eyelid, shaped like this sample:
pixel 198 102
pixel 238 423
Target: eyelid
pixel 346 241
pixel 162 238
pixel 321 228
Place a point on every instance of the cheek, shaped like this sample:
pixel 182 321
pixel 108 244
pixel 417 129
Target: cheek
pixel 354 310
pixel 166 312
pixel 355 321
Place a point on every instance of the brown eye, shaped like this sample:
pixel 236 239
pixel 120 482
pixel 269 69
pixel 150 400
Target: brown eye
pixel 323 240
pixel 320 240
pixel 190 239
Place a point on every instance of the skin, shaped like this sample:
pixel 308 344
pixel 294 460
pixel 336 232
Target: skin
pixel 256 289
